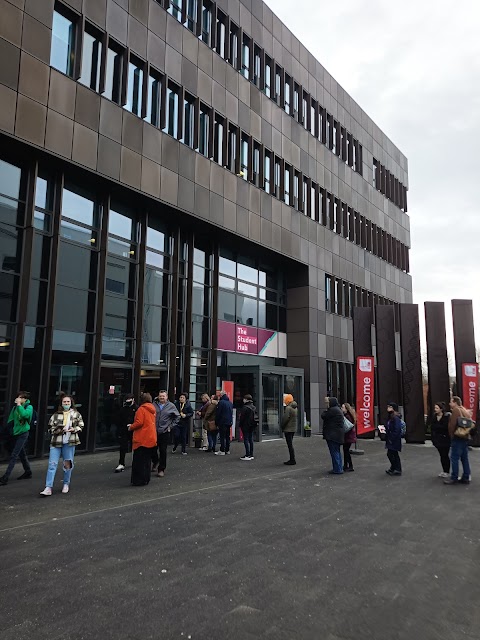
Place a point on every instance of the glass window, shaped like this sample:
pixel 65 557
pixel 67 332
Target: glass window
pixel 120 225
pixel 91 60
pixel 175 9
pixel 313 112
pixel 10 176
pixel 247 273
pixel 226 306
pixel 233 45
pixel 305 111
pixel 156 287
pixel 227 267
pixel 154 98
pixel 221 34
pixel 256 164
pixel 278 83
pixel 171 126
pixel 245 70
pixel 77 266
pixel 267 171
pixel 296 99
pixel 247 289
pixel 10 248
pixel 244 157
pixel 191 14
pixel 257 65
pixel 152 323
pixel 84 304
pixel 78 207
pixel 62 54
pixel 232 147
pixel 156 238
pixel 268 77
pixel 135 87
pixel 120 277
pixel 287 185
pixel 206 22
pixel 219 137
pixel 288 81
pixel 246 311
pixel 113 76
pixel 313 203
pixel 189 120
pixel 203 130
pixel 277 177
pixel 226 283
pixel 43 193
pixel 76 233
pixel 199 257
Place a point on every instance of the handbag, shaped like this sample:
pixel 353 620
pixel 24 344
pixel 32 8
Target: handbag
pixel 211 426
pixel 347 425
pixel 464 428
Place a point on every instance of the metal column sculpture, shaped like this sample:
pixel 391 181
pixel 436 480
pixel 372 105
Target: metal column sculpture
pixel 437 358
pixel 412 373
pixel 387 383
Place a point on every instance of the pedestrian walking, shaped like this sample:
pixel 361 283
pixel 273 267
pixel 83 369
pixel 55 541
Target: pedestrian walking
pixel 459 442
pixel 209 428
pixel 393 442
pixel 64 426
pixel 180 431
pixel 144 441
pixel 441 437
pixel 167 417
pixel 333 432
pixel 350 437
pixel 247 423
pixel 289 425
pixel 126 416
pixel 224 422
pixel 20 420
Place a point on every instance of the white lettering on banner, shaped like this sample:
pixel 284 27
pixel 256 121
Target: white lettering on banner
pixel 472 392
pixel 366 402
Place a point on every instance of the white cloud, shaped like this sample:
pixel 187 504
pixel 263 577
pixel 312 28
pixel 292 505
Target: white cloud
pixel 414 67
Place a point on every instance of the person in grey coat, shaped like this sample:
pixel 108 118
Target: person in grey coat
pixel 334 433
pixel 167 417
pixel 289 425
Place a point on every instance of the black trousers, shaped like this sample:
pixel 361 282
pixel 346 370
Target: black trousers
pixel 395 463
pixel 445 458
pixel 289 438
pixel 141 461
pixel 347 458
pixel 125 442
pixel 180 436
pixel 160 458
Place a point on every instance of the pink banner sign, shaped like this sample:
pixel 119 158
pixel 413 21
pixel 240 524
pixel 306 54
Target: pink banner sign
pixel 243 339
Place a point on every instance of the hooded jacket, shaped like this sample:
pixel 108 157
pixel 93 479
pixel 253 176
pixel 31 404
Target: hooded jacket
pixel 224 414
pixel 126 416
pixel 290 418
pixel 143 427
pixel 21 416
pixel 333 421
pixel 247 421
pixel 393 430
pixel 167 416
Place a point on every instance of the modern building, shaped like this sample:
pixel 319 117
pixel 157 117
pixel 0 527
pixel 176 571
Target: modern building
pixel 186 197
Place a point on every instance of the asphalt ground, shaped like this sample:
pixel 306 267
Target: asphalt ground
pixel 221 549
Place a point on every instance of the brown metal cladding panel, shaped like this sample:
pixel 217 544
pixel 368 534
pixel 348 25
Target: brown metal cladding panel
pixel 438 377
pixel 386 364
pixel 463 336
pixel 362 331
pixel 412 373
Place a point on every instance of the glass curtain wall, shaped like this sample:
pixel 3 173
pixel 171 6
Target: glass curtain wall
pixel 201 327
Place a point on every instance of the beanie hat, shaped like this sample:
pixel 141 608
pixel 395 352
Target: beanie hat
pixel 287 398
pixel 394 405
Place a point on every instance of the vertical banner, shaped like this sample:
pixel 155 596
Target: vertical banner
pixel 470 387
pixel 365 394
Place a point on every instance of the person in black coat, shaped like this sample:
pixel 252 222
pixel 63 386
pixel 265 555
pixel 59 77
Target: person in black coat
pixel 247 422
pixel 180 431
pixel 393 443
pixel 224 421
pixel 126 416
pixel 441 437
pixel 334 433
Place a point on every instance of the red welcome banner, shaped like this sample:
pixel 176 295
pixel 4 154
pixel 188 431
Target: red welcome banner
pixel 470 387
pixel 365 394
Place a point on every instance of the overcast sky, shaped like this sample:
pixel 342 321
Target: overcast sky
pixel 414 67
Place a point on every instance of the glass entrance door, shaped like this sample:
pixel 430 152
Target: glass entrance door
pixel 115 383
pixel 272 405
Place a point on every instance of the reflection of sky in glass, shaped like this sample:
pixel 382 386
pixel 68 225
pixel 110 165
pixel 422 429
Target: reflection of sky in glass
pixel 120 225
pixel 9 180
pixel 77 207
pixel 62 40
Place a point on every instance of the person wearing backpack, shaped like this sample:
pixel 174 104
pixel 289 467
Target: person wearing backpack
pixel 459 445
pixel 21 417
pixel 393 442
pixel 247 423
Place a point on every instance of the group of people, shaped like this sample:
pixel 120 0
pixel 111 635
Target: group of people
pixel 149 428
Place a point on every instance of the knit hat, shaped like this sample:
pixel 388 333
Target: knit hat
pixel 287 398
pixel 394 405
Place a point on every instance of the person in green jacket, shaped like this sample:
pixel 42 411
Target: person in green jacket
pixel 21 415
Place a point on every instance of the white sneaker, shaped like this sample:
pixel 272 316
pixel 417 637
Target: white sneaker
pixel 227 453
pixel 219 453
pixel 184 453
pixel 251 458
pixel 174 451
pixel 121 467
pixel 245 458
pixel 65 488
pixel 203 448
pixel 443 475
pixel 46 492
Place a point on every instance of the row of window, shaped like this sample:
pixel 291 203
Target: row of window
pixel 385 182
pixel 149 94
pixel 342 296
pixel 340 381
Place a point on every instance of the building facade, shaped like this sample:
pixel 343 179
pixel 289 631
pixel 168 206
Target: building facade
pixel 187 197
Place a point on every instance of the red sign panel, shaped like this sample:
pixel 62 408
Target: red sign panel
pixel 365 394
pixel 470 387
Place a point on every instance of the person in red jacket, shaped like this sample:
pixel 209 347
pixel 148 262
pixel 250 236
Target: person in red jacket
pixel 144 441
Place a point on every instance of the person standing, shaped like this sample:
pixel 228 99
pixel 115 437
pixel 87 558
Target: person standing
pixel 350 437
pixel 209 428
pixel 459 446
pixel 167 418
pixel 393 442
pixel 181 430
pixel 224 422
pixel 126 416
pixel 21 418
pixel 289 425
pixel 144 441
pixel 64 425
pixel 441 437
pixel 333 432
pixel 247 423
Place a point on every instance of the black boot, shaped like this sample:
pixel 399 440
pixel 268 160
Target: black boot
pixel 290 462
pixel 3 481
pixel 26 475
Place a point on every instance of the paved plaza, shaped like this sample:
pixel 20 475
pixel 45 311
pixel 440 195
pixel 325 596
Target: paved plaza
pixel 222 549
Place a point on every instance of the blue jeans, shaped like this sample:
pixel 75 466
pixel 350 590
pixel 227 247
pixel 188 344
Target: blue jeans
pixel 458 452
pixel 248 442
pixel 18 451
pixel 212 439
pixel 67 452
pixel 334 448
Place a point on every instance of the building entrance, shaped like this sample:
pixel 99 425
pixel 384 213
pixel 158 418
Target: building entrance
pixel 267 385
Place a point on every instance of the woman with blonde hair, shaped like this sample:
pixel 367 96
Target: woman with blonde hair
pixel 350 436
